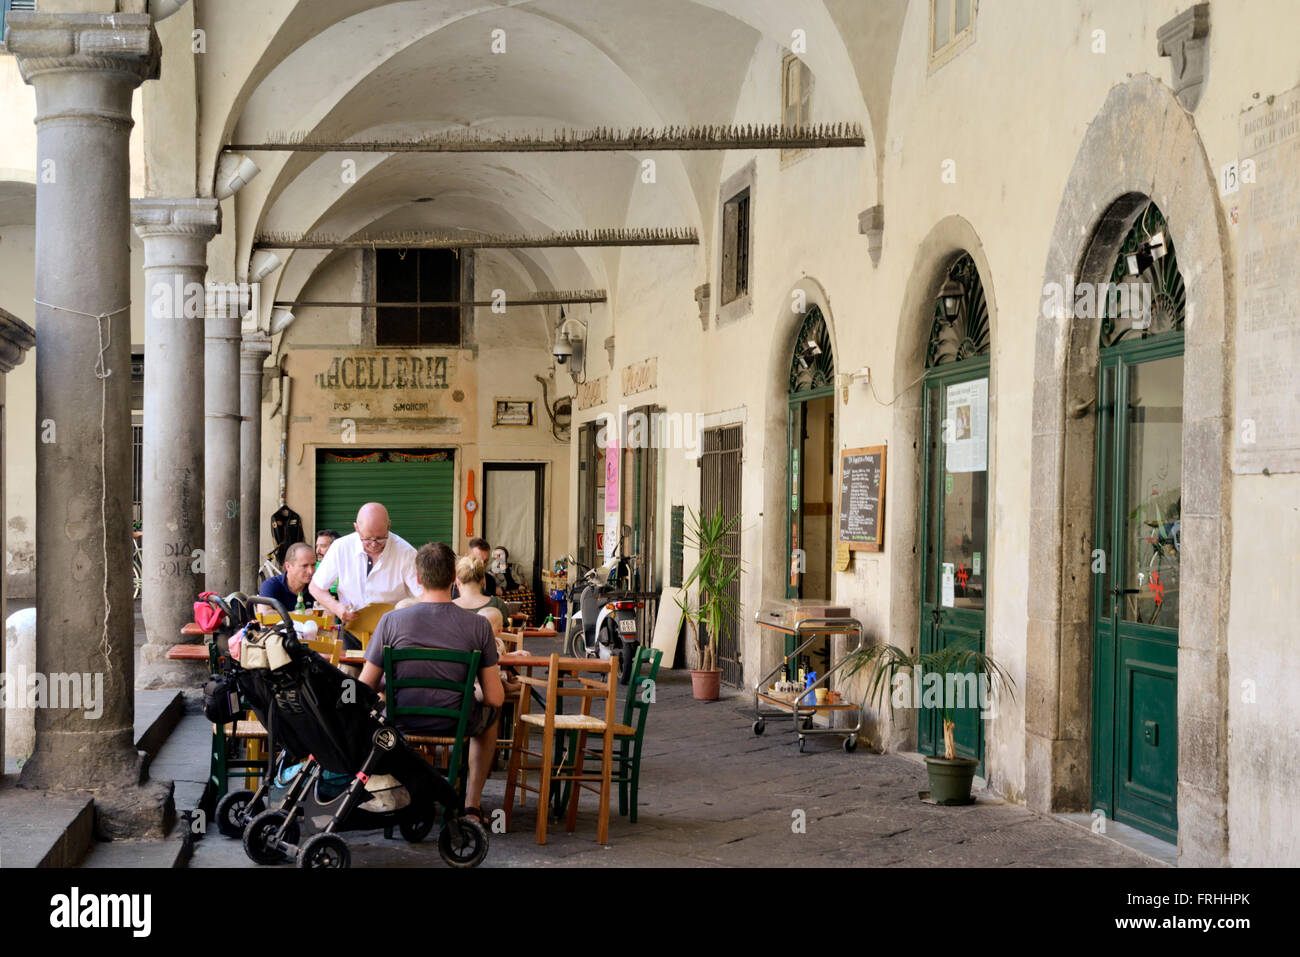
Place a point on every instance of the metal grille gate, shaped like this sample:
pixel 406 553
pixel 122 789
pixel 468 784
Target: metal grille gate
pixel 720 460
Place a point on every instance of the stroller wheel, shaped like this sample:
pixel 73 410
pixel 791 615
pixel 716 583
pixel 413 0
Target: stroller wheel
pixel 260 831
pixel 417 829
pixel 325 851
pixel 234 812
pixel 463 843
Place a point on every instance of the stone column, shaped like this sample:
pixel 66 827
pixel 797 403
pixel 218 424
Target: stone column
pixel 252 354
pixel 84 68
pixel 16 337
pixel 176 234
pixel 221 414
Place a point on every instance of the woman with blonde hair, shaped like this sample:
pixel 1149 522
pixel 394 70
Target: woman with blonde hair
pixel 470 575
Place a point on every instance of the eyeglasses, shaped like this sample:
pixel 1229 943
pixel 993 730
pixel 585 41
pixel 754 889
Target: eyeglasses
pixel 374 541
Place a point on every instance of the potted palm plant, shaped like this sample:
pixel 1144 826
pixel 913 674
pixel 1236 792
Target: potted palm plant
pixel 889 669
pixel 715 570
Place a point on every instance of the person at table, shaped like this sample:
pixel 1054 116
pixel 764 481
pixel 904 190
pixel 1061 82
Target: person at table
pixel 324 539
pixel 370 565
pixel 470 577
pixel 290 586
pixel 435 621
pixel 481 550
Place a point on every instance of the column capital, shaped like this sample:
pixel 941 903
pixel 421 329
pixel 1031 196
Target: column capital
pixel 122 43
pixel 254 348
pixel 16 337
pixel 167 216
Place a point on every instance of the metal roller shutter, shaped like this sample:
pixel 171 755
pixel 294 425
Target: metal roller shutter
pixel 419 495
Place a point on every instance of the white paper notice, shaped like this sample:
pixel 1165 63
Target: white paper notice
pixel 946 598
pixel 966 426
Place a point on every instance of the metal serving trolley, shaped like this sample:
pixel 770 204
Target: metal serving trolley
pixel 771 704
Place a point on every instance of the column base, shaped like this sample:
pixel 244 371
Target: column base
pixel 155 670
pixel 65 760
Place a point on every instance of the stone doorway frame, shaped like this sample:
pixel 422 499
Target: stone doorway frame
pixel 1141 146
pixel 948 239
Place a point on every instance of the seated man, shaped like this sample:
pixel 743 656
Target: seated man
pixel 435 622
pixel 290 586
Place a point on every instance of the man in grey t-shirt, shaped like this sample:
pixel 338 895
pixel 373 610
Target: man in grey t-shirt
pixel 435 622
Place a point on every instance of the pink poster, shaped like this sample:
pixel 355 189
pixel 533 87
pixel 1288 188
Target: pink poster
pixel 611 473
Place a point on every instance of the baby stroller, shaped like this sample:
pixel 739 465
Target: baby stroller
pixel 315 710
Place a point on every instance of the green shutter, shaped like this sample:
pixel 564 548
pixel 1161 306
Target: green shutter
pixel 419 496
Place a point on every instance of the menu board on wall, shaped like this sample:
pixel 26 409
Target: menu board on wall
pixel 862 498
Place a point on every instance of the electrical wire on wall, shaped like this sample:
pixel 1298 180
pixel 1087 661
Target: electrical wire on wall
pixel 560 433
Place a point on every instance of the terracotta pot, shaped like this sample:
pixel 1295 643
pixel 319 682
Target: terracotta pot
pixel 705 684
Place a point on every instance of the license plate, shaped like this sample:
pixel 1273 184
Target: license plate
pixel 627 625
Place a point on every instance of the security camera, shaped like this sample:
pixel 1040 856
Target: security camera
pixel 562 349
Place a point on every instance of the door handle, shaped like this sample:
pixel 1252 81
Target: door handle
pixel 1121 592
pixel 1151 733
pixel 936 617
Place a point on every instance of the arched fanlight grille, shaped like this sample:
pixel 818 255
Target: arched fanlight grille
pixel 1151 300
pixel 812 366
pixel 965 334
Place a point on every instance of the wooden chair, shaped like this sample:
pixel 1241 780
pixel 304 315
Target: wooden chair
pixel 367 620
pixel 565 678
pixel 329 648
pixel 514 641
pixel 630 732
pixel 457 770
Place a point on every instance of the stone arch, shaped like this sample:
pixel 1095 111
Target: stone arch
pixel 935 254
pixel 1141 145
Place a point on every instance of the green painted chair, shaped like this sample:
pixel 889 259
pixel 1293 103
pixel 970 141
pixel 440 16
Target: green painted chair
pixel 458 761
pixel 630 732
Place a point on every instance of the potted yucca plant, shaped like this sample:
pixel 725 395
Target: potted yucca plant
pixel 950 776
pixel 713 573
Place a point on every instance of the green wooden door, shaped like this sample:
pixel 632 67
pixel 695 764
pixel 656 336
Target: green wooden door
pixel 955 540
pixel 1136 584
pixel 416 486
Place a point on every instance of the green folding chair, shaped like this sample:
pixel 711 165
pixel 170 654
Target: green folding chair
pixel 628 735
pixel 458 762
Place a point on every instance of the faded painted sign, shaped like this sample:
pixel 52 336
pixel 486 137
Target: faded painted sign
pixel 591 393
pixel 641 376
pixel 383 372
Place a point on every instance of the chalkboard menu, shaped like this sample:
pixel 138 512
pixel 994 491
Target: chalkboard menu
pixel 862 498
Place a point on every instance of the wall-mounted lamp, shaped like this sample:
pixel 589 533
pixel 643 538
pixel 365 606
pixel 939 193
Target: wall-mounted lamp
pixel 808 353
pixel 264 263
pixel 280 320
pixel 950 297
pixel 234 170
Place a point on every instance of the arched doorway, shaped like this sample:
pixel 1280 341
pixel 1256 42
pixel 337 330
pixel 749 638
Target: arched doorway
pixel 955 491
pixel 811 460
pixel 1138 540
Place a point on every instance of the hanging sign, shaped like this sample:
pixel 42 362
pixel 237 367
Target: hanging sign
pixel 862 498
pixel 966 427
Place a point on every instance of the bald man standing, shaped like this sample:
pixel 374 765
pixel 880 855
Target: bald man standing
pixel 371 565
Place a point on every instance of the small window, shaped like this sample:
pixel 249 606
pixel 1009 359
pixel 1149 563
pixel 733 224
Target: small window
pixel 408 278
pixel 796 99
pixel 950 28
pixel 735 247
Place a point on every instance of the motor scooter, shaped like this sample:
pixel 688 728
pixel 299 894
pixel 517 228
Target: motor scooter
pixel 602 618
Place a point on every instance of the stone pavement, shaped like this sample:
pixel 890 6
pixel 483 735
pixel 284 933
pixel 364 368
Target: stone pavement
pixel 714 794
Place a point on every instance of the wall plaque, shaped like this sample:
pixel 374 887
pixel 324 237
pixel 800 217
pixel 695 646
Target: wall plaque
pixel 1266 434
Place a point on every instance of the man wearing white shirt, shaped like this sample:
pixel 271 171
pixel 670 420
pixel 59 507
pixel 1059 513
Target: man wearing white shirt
pixel 371 565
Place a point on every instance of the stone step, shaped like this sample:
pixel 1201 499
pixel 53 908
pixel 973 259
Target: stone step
pixel 56 829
